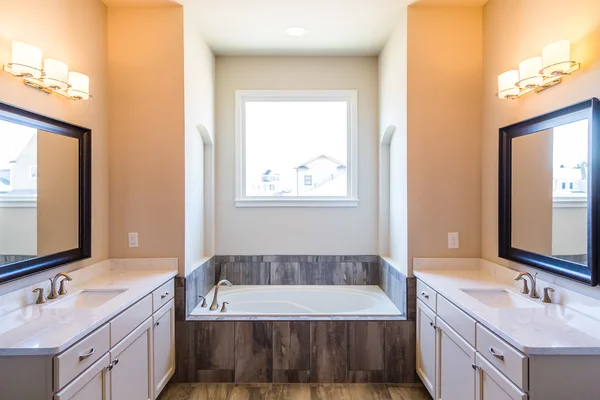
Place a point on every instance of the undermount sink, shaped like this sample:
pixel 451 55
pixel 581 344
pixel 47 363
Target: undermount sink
pixel 500 298
pixel 88 298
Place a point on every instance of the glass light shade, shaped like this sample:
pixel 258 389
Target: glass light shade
pixel 26 60
pixel 529 72
pixel 57 73
pixel 80 86
pixel 557 58
pixel 507 82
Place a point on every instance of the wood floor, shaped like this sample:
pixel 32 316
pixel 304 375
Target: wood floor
pixel 224 391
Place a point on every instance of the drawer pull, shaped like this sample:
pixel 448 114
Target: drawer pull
pixel 495 354
pixel 112 365
pixel 157 323
pixel 165 294
pixel 425 294
pixel 475 366
pixel 89 354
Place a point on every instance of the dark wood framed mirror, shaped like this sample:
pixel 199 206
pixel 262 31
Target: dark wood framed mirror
pixel 45 193
pixel 549 192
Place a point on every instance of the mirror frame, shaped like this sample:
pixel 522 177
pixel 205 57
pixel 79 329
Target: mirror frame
pixel 589 109
pixel 20 269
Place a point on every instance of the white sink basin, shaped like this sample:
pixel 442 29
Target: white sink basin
pixel 500 298
pixel 89 298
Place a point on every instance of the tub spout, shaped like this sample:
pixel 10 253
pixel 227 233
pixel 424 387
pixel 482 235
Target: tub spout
pixel 215 304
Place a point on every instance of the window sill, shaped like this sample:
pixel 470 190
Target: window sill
pixel 299 203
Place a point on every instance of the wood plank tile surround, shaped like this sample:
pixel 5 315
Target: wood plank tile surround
pixel 183 391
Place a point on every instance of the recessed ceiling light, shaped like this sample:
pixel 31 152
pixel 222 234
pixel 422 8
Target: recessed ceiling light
pixel 296 31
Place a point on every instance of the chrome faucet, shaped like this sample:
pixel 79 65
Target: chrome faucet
pixel 215 304
pixel 532 292
pixel 53 293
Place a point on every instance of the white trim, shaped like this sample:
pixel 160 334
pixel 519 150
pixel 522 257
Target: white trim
pixel 349 96
pixel 20 201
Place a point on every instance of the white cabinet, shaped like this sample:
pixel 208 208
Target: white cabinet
pixel 492 385
pixel 163 340
pixel 90 385
pixel 131 365
pixel 455 365
pixel 426 346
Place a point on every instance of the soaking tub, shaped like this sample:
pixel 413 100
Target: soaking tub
pixel 290 300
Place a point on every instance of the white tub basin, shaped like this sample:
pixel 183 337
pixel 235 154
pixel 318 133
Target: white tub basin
pixel 87 299
pixel 500 298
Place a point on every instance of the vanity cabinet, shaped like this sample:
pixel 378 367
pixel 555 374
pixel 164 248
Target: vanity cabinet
pixel 455 365
pixel 492 385
pixel 130 357
pixel 426 346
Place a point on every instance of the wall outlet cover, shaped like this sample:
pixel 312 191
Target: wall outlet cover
pixel 453 240
pixel 133 239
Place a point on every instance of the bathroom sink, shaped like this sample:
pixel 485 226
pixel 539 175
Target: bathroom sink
pixel 500 298
pixel 87 299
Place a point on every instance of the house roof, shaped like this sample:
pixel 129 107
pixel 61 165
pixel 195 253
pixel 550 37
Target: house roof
pixel 321 157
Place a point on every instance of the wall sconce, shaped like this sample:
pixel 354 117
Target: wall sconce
pixel 538 73
pixel 55 76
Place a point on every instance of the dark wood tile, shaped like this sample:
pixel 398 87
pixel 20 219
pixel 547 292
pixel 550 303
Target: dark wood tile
pixel 181 310
pixel 329 351
pixel 215 348
pixel 185 351
pixel 400 352
pixel 365 376
pixel 291 345
pixel 216 375
pixel 411 298
pixel 365 345
pixel 286 273
pixel 365 273
pixel 291 376
pixel 246 273
pixel 254 352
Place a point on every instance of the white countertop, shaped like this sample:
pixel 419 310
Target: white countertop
pixel 549 329
pixel 39 330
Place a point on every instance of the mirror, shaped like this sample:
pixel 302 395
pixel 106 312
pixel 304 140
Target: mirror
pixel 547 199
pixel 44 193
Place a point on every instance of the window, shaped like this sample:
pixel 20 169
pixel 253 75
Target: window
pixel 302 143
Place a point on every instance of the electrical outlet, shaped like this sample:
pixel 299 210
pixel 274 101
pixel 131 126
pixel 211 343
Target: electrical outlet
pixel 453 240
pixel 133 239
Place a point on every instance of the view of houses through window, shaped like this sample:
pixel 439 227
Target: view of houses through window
pixel 296 148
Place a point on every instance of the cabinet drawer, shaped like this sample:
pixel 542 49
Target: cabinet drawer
pixel 128 320
pixel 510 361
pixel 77 358
pixel 456 319
pixel 426 294
pixel 163 294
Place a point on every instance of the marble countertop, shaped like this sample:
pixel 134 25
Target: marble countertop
pixel 40 330
pixel 548 329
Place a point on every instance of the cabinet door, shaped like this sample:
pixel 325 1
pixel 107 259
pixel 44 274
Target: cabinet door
pixel 426 346
pixel 90 385
pixel 455 359
pixel 131 372
pixel 163 336
pixel 492 385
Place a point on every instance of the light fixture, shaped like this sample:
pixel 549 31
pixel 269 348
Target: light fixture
pixel 296 31
pixel 538 73
pixel 53 78
pixel 26 61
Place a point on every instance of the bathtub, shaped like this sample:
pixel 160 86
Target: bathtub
pixel 291 300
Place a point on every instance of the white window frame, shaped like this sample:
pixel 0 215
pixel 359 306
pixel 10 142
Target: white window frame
pixel 244 96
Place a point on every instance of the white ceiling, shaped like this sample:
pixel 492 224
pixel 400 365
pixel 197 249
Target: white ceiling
pixel 256 27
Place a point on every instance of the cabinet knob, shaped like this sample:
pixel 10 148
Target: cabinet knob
pixel 157 323
pixel 475 366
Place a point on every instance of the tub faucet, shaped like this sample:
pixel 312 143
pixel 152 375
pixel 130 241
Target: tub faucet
pixel 532 292
pixel 215 304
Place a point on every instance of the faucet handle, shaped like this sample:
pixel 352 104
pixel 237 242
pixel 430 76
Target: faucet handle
pixel 224 307
pixel 40 299
pixel 203 305
pixel 62 290
pixel 525 289
pixel 546 298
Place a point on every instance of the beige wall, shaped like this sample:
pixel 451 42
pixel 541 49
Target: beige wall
pixel 393 119
pixel 147 157
pixel 58 193
pixel 73 31
pixel 296 230
pixel 444 125
pixel 513 31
